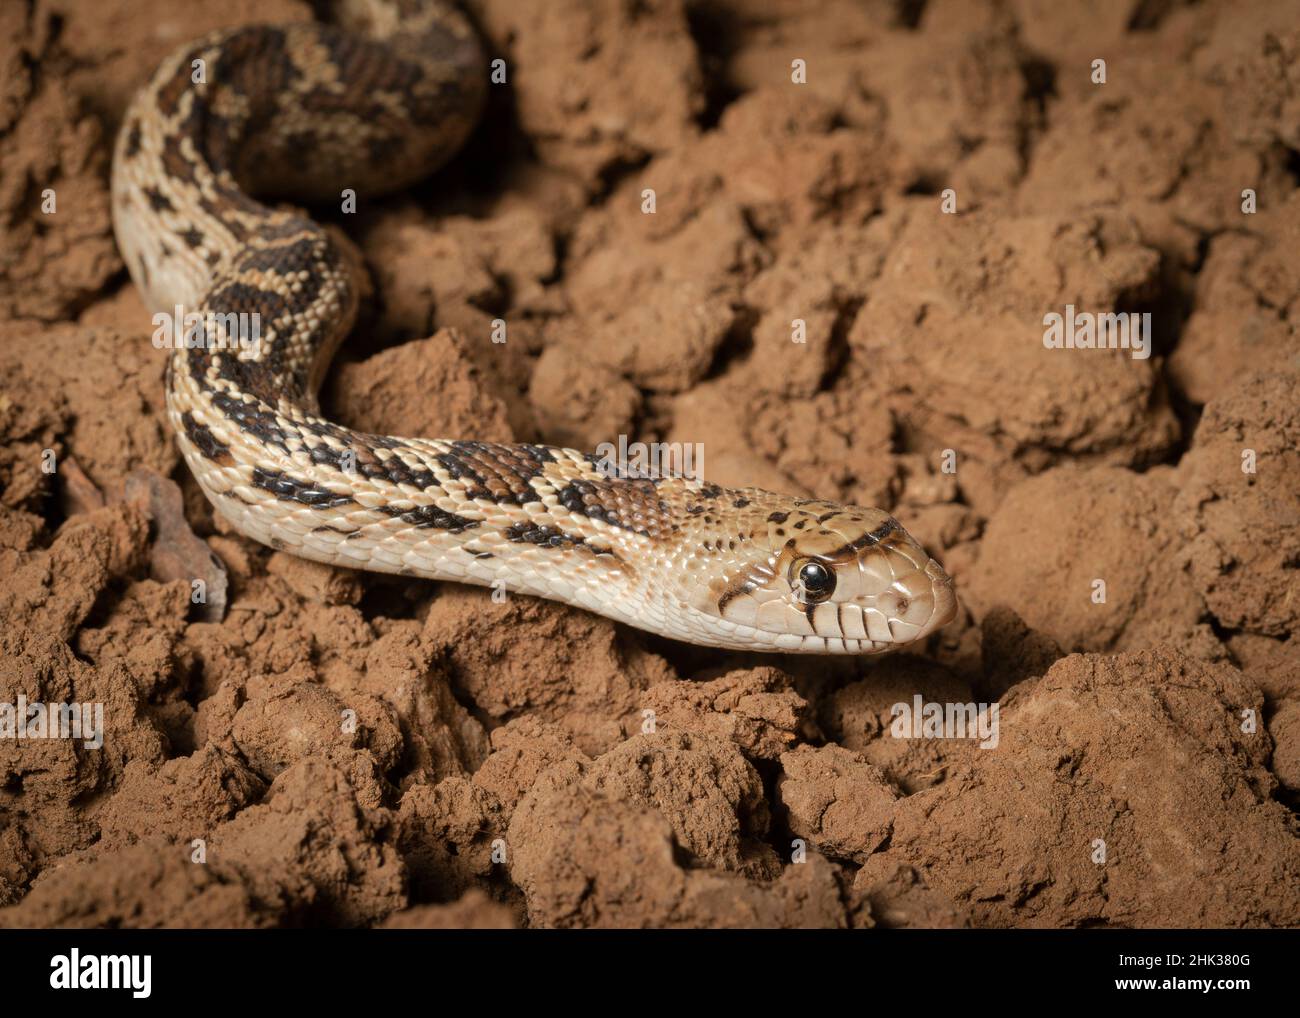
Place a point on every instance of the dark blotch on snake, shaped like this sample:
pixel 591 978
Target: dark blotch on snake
pixel 427 516
pixel 541 535
pixel 291 489
pixel 203 439
pixel 158 201
pixel 133 140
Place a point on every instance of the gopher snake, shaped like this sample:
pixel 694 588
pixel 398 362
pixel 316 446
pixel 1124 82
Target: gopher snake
pixel 374 104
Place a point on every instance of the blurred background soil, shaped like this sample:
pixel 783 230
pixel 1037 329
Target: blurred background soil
pixel 527 764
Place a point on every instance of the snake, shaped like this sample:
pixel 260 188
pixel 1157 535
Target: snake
pixel 211 157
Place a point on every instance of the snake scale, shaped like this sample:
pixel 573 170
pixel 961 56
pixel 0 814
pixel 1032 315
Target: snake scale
pixel 375 101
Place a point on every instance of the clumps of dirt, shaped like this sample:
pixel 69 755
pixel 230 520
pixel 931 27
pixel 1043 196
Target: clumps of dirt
pixel 585 859
pixel 755 708
pixel 1217 537
pixel 438 367
pixel 1104 536
pixel 899 898
pixel 56 248
pixel 710 794
pixel 1241 505
pixel 861 715
pixel 1247 294
pixel 449 835
pixel 575 670
pixel 308 852
pixel 958 311
pixel 475 911
pixel 663 234
pixel 840 803
pixel 90 394
pixel 1286 754
pixel 152 884
pixel 176 552
pixel 599 85
pixel 1119 783
pixel 579 402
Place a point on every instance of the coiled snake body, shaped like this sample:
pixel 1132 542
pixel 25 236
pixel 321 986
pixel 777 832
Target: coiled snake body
pixel 375 104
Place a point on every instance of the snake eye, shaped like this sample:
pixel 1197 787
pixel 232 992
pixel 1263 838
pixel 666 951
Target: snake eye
pixel 815 580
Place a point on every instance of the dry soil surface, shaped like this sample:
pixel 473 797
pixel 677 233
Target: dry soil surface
pixel 522 763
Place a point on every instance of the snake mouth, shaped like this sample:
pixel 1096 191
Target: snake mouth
pixel 945 599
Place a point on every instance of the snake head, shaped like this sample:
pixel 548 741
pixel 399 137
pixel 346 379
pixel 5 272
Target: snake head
pixel 831 579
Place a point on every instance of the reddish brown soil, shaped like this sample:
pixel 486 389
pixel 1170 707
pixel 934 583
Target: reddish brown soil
pixel 524 763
